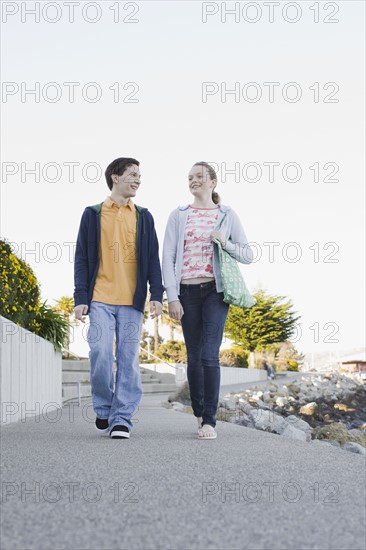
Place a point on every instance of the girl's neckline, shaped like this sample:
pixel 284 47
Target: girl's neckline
pixel 197 208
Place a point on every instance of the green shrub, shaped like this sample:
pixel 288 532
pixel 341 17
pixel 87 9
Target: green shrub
pixel 173 352
pixel 19 289
pixel 52 325
pixel 20 299
pixel 234 357
pixel 292 365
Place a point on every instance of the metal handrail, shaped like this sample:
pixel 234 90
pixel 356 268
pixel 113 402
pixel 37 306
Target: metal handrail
pixel 79 397
pixel 64 350
pixel 160 360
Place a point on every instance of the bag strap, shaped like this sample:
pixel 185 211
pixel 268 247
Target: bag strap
pixel 222 221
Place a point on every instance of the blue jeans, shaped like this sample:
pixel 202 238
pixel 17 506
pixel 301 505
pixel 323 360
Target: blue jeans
pixel 203 322
pixel 125 322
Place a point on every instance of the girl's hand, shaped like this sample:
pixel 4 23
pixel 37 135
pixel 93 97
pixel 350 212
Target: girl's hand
pixel 220 237
pixel 175 309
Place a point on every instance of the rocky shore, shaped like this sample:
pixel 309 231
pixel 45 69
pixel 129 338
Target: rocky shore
pixel 330 408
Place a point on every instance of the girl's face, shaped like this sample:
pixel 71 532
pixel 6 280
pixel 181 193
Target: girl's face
pixel 199 181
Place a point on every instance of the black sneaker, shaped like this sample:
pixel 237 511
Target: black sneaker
pixel 101 425
pixel 120 432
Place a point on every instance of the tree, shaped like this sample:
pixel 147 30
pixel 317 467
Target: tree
pixel 173 352
pixel 20 299
pixel 270 320
pixel 156 337
pixel 65 305
pixel 234 357
pixel 166 320
pixel 19 289
pixel 288 358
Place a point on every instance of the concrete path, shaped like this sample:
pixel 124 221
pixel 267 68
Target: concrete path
pixel 66 487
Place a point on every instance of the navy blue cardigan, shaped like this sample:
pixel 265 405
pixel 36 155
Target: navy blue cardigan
pixel 87 257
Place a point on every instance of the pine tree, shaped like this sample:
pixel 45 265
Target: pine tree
pixel 270 320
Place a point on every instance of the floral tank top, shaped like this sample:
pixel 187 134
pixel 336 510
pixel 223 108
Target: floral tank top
pixel 198 247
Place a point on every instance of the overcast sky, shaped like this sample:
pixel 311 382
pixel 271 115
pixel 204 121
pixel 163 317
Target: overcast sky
pixel 152 80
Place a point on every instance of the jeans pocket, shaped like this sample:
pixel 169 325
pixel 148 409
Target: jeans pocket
pixel 183 291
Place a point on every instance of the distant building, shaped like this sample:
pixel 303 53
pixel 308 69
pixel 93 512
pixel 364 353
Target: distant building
pixel 354 365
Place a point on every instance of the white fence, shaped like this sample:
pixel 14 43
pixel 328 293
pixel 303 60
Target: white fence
pixel 30 374
pixel 229 375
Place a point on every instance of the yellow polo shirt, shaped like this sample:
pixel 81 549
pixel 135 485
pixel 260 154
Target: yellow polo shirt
pixel 117 274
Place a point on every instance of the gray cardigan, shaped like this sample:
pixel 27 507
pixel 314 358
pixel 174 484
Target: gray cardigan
pixel 236 244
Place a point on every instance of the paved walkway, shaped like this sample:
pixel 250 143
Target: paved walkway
pixel 66 487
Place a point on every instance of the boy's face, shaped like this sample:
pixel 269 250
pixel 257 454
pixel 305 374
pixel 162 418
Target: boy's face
pixel 128 183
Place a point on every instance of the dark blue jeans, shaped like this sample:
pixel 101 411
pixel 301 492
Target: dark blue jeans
pixel 203 322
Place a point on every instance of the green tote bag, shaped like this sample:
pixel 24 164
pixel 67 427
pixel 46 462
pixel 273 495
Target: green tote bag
pixel 235 289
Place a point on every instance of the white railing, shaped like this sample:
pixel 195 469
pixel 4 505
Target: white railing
pixel 30 374
pixel 228 375
pixel 162 366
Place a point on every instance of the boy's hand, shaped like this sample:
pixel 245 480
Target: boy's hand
pixel 155 309
pixel 80 311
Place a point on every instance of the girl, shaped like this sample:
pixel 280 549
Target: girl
pixel 193 284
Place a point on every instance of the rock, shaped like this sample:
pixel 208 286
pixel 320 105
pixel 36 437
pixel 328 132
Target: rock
pixel 354 448
pixel 293 433
pixel 343 407
pixel 339 432
pixel 309 409
pixel 320 441
pixel 230 404
pixel 356 432
pixel 347 394
pixel 225 415
pixel 246 408
pixel 266 396
pixel 326 408
pixel 357 424
pixel 245 420
pixel 283 391
pixel 281 401
pixel 293 388
pixel 313 396
pixel 334 442
pixel 301 425
pixel 269 421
